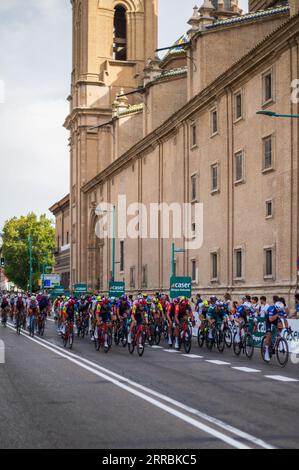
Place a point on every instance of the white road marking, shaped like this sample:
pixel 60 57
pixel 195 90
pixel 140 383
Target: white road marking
pixel 2 352
pixel 192 356
pixel 246 369
pixel 193 422
pixel 281 378
pixel 171 350
pixel 210 419
pixel 156 347
pixel 219 363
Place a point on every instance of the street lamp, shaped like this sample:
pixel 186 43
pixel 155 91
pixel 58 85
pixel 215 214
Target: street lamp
pixel 175 250
pixel 273 114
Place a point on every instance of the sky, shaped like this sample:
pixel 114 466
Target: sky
pixel 35 68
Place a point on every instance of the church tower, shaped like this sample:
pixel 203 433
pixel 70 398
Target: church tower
pixel 112 40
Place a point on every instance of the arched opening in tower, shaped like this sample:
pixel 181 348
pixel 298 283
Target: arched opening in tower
pixel 120 34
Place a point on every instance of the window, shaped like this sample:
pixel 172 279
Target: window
pixel 67 238
pixel 144 276
pixel 194 270
pixel 214 121
pixel 239 167
pixel 239 264
pixel 214 258
pixel 267 153
pixel 269 209
pixel 215 172
pixel 269 262
pixel 120 34
pixel 122 256
pixel 193 229
pixel 238 106
pixel 132 276
pixel 267 87
pixel 193 135
pixel 193 187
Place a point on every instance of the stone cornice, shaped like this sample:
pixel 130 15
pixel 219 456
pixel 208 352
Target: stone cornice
pixel 277 41
pixel 86 112
pixel 61 205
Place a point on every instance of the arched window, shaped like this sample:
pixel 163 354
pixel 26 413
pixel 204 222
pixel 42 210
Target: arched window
pixel 120 34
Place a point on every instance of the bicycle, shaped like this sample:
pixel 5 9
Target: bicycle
pixel 121 334
pixel 82 326
pixel 41 322
pixel 101 331
pixel 68 335
pixel 138 339
pixel 246 343
pixel 4 318
pixel 31 325
pixel 215 337
pixel 202 333
pixel 19 322
pixel 185 336
pixel 279 347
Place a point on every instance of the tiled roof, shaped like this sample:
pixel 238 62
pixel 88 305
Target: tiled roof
pixel 136 108
pixel 249 16
pixel 180 43
pixel 172 73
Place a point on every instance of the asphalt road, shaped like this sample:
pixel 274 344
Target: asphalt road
pixel 55 398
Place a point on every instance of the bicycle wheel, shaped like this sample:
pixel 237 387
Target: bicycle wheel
pixel 228 337
pixel 141 344
pixel 210 340
pixel 109 341
pixel 237 346
pixel 157 335
pixel 71 340
pixel 150 335
pixel 65 340
pixel 187 341
pixel 200 337
pixel 249 345
pixel 282 352
pixel 42 329
pixel 220 340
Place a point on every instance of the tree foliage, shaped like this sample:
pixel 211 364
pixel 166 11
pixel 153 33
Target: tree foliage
pixel 16 233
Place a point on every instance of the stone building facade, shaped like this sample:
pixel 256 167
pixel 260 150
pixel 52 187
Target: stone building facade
pixel 61 211
pixel 184 129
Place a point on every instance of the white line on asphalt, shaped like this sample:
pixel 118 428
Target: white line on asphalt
pixel 171 350
pixel 218 363
pixel 281 378
pixel 192 356
pixel 156 347
pixel 246 369
pixel 188 409
pixel 193 422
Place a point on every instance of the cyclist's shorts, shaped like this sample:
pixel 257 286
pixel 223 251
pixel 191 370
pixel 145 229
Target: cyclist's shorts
pixel 138 318
pixel 105 317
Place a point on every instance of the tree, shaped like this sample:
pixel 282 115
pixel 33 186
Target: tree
pixel 15 248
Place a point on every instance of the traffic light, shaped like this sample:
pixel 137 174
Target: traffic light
pixel 2 262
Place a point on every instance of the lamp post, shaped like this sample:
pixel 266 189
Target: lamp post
pixel 175 250
pixel 273 114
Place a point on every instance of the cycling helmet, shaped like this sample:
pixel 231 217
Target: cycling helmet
pixel 124 298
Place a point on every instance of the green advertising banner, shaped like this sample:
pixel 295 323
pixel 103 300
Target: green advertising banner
pixel 116 289
pixel 258 330
pixel 57 291
pixel 80 289
pixel 180 287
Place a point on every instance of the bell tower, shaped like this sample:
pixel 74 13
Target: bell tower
pixel 112 40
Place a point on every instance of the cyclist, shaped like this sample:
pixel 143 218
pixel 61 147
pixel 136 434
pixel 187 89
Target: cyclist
pixel 32 313
pixel 82 309
pixel 183 312
pixel 274 316
pixel 170 318
pixel 139 316
pixel 4 309
pixel 20 307
pixel 241 320
pixel 103 316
